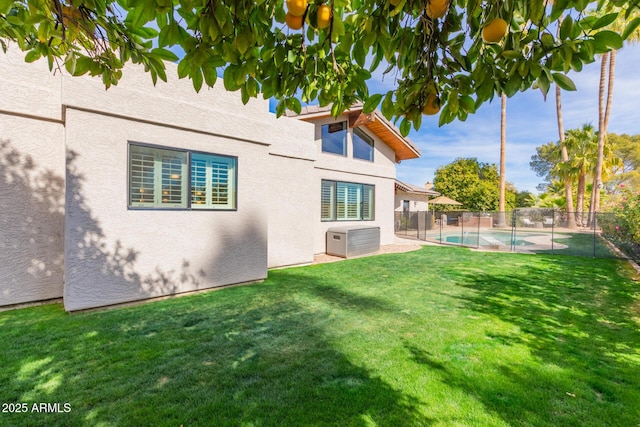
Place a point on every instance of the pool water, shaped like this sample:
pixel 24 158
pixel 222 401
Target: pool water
pixel 470 238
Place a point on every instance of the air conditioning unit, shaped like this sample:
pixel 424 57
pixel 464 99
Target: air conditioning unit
pixel 352 241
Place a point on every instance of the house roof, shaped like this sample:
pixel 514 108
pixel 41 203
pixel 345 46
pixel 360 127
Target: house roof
pixel 414 189
pixel 375 122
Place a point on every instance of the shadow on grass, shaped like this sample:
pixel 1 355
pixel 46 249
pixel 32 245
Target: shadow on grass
pixel 246 356
pixel 577 323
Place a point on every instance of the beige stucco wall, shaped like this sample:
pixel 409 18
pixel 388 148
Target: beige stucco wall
pixel 31 182
pixel 115 255
pixel 31 209
pixel 417 202
pixel 108 253
pixel 292 200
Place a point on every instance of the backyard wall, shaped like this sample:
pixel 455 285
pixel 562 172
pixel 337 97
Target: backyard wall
pixel 32 170
pixel 85 243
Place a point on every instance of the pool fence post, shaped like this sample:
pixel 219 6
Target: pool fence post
pixel 514 214
pixel 461 225
pixel 478 245
pixel 595 223
pixel 553 225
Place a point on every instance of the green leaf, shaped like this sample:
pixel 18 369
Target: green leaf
pixel 511 54
pixel 359 54
pixel 630 28
pixel 372 103
pixel 184 68
pixel 387 106
pixel 229 78
pixel 165 54
pixel 468 104
pixel 565 28
pixel 196 78
pixel 32 56
pixel 5 6
pixel 605 21
pixel 609 39
pixel 564 82
pixel 294 105
pixel 536 10
pixel 405 127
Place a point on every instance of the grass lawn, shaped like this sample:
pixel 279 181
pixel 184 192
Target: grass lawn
pixel 582 244
pixel 441 336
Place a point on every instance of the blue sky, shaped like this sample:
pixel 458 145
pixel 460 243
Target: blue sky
pixel 531 122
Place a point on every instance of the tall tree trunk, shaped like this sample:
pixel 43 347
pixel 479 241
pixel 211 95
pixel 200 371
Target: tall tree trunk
pixel 503 167
pixel 582 181
pixel 603 121
pixel 568 188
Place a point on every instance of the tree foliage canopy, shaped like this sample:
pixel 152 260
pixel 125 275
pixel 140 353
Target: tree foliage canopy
pixel 247 42
pixel 472 183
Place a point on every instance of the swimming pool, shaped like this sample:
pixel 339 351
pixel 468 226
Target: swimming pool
pixel 488 238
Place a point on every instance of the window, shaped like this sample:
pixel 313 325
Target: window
pixel 212 182
pixel 334 138
pixel 346 201
pixel 362 145
pixel 160 178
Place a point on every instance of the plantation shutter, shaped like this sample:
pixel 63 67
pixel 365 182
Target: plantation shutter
pixel 368 202
pixel 212 182
pixel 349 198
pixel 153 169
pixel 327 201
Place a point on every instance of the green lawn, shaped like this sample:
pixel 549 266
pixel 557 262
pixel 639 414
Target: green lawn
pixel 442 336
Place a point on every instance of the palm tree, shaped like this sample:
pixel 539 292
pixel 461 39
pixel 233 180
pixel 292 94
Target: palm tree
pixel 568 187
pixel 604 110
pixel 582 144
pixel 503 167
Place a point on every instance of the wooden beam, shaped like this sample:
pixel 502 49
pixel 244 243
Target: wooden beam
pixel 358 119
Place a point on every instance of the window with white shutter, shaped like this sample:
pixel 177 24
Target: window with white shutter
pixel 159 179
pixel 212 182
pixel 347 201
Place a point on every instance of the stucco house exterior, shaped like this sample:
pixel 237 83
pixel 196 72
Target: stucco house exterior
pixel 412 198
pixel 136 192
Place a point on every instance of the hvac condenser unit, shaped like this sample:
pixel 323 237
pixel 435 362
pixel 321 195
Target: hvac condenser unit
pixel 352 241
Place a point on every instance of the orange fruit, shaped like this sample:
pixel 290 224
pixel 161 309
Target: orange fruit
pixel 494 31
pixel 437 8
pixel 293 22
pixel 324 16
pixel 296 7
pixel 432 106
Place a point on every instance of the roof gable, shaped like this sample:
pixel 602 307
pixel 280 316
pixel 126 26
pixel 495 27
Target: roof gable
pixel 375 122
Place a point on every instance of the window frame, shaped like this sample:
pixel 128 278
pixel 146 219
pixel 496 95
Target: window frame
pixel 334 203
pixel 345 142
pixel 367 139
pixel 188 205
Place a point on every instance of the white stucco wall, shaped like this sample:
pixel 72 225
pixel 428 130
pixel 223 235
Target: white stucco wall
pixel 31 209
pixel 417 202
pixel 31 181
pixel 292 195
pixel 115 255
pixel 292 201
